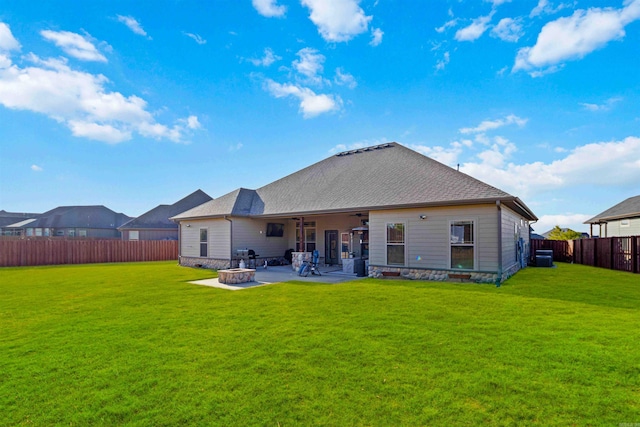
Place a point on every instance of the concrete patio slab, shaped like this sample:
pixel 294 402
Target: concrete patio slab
pixel 281 274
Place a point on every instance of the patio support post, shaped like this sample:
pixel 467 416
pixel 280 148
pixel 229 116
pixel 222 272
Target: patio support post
pixel 302 242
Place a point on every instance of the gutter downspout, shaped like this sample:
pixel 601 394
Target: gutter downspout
pixel 499 278
pixel 179 242
pixel 230 241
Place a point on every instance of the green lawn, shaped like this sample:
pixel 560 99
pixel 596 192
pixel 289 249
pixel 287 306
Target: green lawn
pixel 134 344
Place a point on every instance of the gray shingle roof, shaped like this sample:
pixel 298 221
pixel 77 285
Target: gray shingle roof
pixel 80 216
pixel 629 208
pixel 10 218
pixel 158 217
pixel 381 177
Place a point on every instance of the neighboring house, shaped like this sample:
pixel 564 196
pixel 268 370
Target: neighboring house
pixel 74 221
pixel 403 211
pixel 11 221
pixel 622 219
pixel 156 225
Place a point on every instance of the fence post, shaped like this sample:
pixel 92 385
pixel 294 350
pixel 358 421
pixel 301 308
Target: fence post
pixel 612 256
pixel 634 255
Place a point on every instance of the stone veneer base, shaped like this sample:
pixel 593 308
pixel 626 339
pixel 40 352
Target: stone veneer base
pixel 376 272
pixel 214 264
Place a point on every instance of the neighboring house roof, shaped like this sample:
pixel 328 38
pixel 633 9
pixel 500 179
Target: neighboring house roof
pixel 536 236
pixel 158 217
pixel 380 177
pixel 629 208
pixel 9 218
pixel 80 217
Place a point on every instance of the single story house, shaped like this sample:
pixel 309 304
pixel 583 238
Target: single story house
pixel 97 222
pixel 620 220
pixel 10 222
pixel 156 225
pixel 401 211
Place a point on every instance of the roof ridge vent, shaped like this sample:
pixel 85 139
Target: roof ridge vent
pixel 365 149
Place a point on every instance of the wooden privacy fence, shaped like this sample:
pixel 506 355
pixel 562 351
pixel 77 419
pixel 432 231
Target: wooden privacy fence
pixel 614 253
pixel 16 253
pixel 562 249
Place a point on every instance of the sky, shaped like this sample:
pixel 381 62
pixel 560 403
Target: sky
pixel 132 104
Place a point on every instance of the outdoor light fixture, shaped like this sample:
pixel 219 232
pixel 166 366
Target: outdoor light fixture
pixel 423 217
pixel 188 225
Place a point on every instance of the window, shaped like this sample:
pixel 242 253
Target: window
pixel 462 240
pixel 625 223
pixel 134 235
pixel 309 236
pixel 71 233
pixel 344 251
pixel 38 232
pixel 395 244
pixel 204 242
pixel 82 233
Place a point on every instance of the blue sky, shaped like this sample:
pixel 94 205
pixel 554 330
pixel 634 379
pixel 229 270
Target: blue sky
pixel 131 104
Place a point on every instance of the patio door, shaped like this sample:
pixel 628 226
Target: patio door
pixel 331 247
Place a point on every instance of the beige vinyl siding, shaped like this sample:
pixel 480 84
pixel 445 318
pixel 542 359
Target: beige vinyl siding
pixel 427 241
pixel 218 234
pixel 509 222
pixel 615 228
pixel 252 234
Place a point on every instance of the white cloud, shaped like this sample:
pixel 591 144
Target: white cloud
pixel 337 20
pixel 343 78
pixel 99 132
pixel 448 24
pixel 36 168
pixel 497 3
pixel 7 41
pixel 268 59
pixel 508 29
pixel 81 101
pixel 573 37
pixel 544 7
pixel 495 124
pixel 74 45
pixel 376 36
pixel 311 104
pixel 612 163
pixel 445 155
pixel 309 64
pixel 236 147
pixel 475 30
pixel 606 106
pixel 196 38
pixel 133 25
pixel 269 8
pixel 440 65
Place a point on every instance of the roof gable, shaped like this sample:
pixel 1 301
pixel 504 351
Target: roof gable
pixel 158 217
pixel 380 177
pixel 629 208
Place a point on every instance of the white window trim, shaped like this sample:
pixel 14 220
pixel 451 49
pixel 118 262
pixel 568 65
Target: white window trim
pixel 475 242
pixel 386 243
pixel 134 235
pixel 200 242
pixel 625 223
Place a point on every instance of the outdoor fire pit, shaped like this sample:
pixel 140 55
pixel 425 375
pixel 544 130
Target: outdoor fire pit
pixel 233 276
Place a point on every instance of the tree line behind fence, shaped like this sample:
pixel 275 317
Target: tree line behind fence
pixel 615 253
pixel 15 253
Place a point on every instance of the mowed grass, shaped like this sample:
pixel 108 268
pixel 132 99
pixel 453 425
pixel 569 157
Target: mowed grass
pixel 135 344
